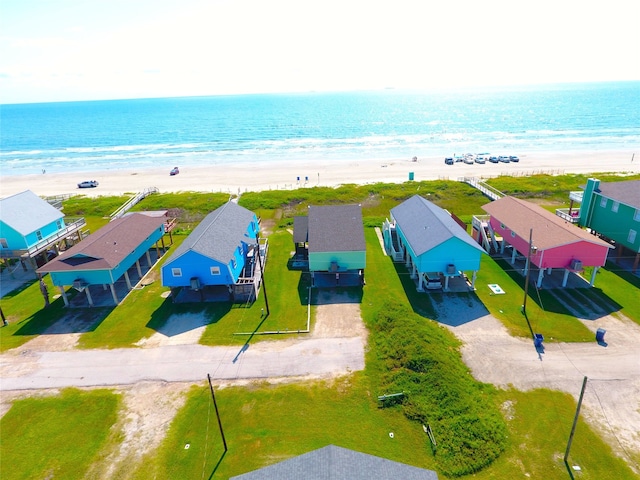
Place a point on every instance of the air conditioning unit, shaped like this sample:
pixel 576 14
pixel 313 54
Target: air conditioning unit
pixel 451 269
pixel 576 264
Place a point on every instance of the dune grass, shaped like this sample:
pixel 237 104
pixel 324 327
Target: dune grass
pixel 59 436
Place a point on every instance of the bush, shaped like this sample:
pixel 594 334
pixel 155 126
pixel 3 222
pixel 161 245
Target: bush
pixel 422 359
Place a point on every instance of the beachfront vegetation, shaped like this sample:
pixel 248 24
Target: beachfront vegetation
pixel 478 428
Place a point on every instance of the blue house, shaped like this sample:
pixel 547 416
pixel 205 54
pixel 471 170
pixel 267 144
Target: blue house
pixel 104 258
pixel 430 242
pixel 219 259
pixel 31 227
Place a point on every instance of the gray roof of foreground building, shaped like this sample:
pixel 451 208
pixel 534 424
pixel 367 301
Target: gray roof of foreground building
pixel 425 225
pixel 337 463
pixel 218 234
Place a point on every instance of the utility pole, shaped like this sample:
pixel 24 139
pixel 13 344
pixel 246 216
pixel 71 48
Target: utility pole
pixel 224 441
pixel 575 419
pixel 526 277
pixel 264 287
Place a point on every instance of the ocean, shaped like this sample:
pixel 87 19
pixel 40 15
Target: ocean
pixel 363 126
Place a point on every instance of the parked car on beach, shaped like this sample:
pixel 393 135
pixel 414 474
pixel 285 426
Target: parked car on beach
pixel 448 161
pixel 513 158
pixel 174 171
pixel 88 184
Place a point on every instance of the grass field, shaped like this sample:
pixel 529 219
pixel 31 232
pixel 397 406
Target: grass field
pixel 516 434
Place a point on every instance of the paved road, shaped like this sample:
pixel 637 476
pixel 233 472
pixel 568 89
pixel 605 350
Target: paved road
pixel 22 369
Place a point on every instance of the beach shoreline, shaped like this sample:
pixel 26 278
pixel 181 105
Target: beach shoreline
pixel 240 178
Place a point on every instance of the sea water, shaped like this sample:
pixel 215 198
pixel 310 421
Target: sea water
pixel 363 126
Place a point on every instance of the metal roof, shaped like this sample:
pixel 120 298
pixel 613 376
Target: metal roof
pixel 108 247
pixel 336 228
pixel 624 192
pixel 549 230
pixel 337 463
pixel 26 212
pixel 425 225
pixel 219 234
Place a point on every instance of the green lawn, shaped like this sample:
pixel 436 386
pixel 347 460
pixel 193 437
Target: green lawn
pixel 60 436
pixel 25 314
pixel 554 321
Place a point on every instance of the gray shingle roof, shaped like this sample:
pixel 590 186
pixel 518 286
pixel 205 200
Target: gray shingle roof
pixel 300 229
pixel 219 234
pixel 336 228
pixel 624 192
pixel 26 212
pixel 337 463
pixel 425 225
pixel 107 247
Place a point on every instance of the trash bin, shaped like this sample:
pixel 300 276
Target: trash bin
pixel 538 339
pixel 600 334
pixel 410 175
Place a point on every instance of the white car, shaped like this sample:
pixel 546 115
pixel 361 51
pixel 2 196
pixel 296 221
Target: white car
pixel 88 184
pixel 433 281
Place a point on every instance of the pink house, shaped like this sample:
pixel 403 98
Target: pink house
pixel 556 243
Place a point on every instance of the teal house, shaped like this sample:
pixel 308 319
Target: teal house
pixel 334 239
pixel 31 229
pixel 430 242
pixel 219 256
pixel 110 257
pixel 611 210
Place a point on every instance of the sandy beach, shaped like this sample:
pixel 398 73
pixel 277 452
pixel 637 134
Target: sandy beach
pixel 246 177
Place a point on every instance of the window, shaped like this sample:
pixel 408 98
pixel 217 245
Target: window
pixel 176 272
pixel 38 234
pixel 632 236
pixel 234 264
pixel 3 243
pixel 513 234
pixel 603 202
pixel 59 224
pixel 215 270
pixel 636 216
pixel 502 226
pixel 614 207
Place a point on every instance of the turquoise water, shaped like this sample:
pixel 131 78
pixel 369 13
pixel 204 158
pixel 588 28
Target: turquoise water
pixel 389 124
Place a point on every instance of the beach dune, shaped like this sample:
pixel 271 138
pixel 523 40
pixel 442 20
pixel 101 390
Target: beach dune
pixel 247 176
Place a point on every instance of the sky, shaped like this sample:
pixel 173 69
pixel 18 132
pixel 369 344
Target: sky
pixel 65 50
